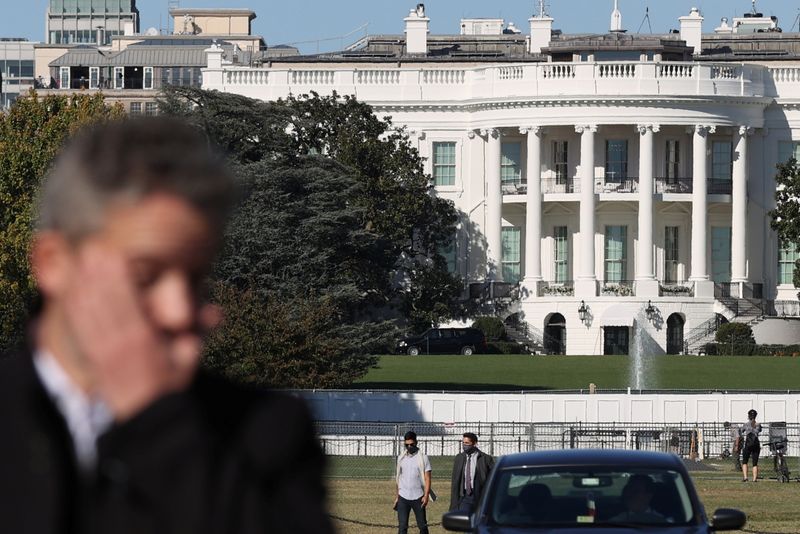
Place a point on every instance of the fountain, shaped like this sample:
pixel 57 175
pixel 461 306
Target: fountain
pixel 643 350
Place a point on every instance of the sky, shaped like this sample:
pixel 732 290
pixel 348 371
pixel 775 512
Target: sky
pixel 326 25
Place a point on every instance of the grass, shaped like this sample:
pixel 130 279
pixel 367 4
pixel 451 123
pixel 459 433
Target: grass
pixel 524 372
pixel 770 506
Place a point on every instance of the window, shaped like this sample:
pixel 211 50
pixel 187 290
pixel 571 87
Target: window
pixel 510 163
pixel 721 253
pixel 94 77
pixel 63 80
pixel 616 253
pixel 449 254
pixel 616 160
pixel 673 159
pixel 150 108
pixel 560 161
pixel 561 254
pixel 148 78
pixel 444 163
pixel 788 254
pixel 671 254
pixel 119 78
pixel 511 255
pixel 136 108
pixel 721 160
pixel 788 150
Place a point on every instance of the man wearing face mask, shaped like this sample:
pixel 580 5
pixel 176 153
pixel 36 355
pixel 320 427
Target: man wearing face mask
pixel 413 485
pixel 470 473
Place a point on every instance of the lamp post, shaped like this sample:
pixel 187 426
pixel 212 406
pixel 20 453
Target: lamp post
pixel 650 310
pixel 582 310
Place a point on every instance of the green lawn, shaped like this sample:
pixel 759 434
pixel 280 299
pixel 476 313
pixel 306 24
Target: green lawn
pixel 508 373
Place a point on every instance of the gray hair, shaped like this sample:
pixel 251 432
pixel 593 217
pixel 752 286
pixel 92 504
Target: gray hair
pixel 124 161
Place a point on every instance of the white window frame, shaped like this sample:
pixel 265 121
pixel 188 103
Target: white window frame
pixel 429 146
pixel 148 71
pixel 119 77
pixel 63 74
pixel 94 77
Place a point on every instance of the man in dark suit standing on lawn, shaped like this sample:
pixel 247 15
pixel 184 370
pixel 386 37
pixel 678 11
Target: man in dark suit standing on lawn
pixel 470 472
pixel 109 427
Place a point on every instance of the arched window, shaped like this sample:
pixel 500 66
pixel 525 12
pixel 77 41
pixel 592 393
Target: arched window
pixel 555 334
pixel 675 324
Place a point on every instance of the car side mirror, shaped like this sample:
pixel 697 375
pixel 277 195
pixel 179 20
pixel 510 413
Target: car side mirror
pixel 457 522
pixel 728 519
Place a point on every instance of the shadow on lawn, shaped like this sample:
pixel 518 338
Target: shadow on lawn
pixel 444 386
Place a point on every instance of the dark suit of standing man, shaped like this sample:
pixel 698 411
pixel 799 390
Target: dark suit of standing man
pixel 108 426
pixel 470 472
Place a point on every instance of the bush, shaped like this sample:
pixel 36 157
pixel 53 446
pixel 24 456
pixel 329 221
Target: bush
pixel 735 333
pixel 778 350
pixel 492 328
pixel 505 347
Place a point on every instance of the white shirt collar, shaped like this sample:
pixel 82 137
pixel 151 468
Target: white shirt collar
pixel 86 417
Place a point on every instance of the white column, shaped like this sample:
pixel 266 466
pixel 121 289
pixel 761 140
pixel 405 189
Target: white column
pixel 646 284
pixel 699 273
pixel 739 208
pixel 533 213
pixel 494 205
pixel 586 283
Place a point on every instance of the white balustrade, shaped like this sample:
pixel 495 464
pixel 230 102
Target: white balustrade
pixel 444 76
pixel 785 74
pixel 558 71
pixel 312 77
pixel 510 73
pixel 725 72
pixel 677 71
pixel 378 77
pixel 616 70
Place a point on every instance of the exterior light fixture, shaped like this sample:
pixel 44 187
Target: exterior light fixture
pixel 582 309
pixel 650 310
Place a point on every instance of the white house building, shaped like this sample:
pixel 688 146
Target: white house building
pixel 614 189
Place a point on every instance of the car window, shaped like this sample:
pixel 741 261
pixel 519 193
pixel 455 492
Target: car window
pixel 448 334
pixel 577 496
pixel 433 334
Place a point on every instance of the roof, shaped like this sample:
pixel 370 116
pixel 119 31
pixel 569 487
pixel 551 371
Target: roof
pixel 161 56
pixel 214 12
pixel 593 457
pixel 85 57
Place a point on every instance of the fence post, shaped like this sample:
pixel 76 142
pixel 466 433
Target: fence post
pixel 491 439
pixel 531 438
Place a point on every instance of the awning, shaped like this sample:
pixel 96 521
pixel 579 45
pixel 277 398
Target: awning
pixel 618 315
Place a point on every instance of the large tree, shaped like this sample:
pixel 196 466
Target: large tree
pixel 338 218
pixel 786 215
pixel 31 134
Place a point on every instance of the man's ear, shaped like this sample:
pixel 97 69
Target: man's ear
pixel 51 261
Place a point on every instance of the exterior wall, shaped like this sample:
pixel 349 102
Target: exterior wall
pixel 778 331
pixel 545 408
pixel 17 70
pixel 216 24
pixel 688 102
pixel 43 56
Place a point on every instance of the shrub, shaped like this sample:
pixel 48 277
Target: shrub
pixel 505 347
pixel 735 333
pixel 778 350
pixel 492 328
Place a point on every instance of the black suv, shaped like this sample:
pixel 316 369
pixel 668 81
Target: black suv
pixel 444 341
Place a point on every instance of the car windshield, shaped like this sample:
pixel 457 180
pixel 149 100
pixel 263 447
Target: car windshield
pixel 577 496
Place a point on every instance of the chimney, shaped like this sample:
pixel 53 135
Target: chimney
pixel 541 32
pixel 417 31
pixel 616 19
pixel 692 30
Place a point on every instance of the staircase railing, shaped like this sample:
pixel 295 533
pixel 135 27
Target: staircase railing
pixel 700 334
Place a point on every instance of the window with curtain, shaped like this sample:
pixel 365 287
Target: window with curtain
pixel 721 253
pixel 616 253
pixel 788 254
pixel 673 158
pixel 560 161
pixel 721 160
pixel 561 254
pixel 616 160
pixel 511 256
pixel 444 163
pixel 510 158
pixel 671 254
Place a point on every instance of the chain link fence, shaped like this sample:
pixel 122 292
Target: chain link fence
pixel 369 450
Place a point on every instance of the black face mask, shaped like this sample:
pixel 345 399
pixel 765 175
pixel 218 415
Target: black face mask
pixel 468 449
pixel 412 449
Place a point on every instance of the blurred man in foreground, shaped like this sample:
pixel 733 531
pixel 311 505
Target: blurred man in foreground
pixel 108 426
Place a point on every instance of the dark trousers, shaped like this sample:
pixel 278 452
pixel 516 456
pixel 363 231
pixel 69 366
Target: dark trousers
pixel 404 507
pixel 466 504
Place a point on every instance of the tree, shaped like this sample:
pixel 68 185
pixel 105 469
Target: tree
pixel 31 134
pixel 786 215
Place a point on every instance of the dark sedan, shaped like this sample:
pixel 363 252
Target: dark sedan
pixel 610 490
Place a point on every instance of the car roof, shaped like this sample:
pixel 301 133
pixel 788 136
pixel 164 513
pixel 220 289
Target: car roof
pixel 594 457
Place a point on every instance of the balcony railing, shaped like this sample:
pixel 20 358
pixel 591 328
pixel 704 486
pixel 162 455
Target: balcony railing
pixel 719 187
pixel 676 289
pixel 557 289
pixel 561 185
pixel 673 185
pixel 515 188
pixel 726 290
pixel 625 185
pixel 621 288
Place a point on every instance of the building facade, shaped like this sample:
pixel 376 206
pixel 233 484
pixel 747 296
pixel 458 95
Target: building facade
pixel 16 69
pixel 614 189
pixel 90 21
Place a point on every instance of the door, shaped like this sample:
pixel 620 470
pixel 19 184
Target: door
pixel 675 334
pixel 615 340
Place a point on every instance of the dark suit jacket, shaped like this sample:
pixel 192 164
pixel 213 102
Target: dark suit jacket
pixel 215 459
pixel 483 466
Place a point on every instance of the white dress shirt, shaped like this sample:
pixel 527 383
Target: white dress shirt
pixel 86 417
